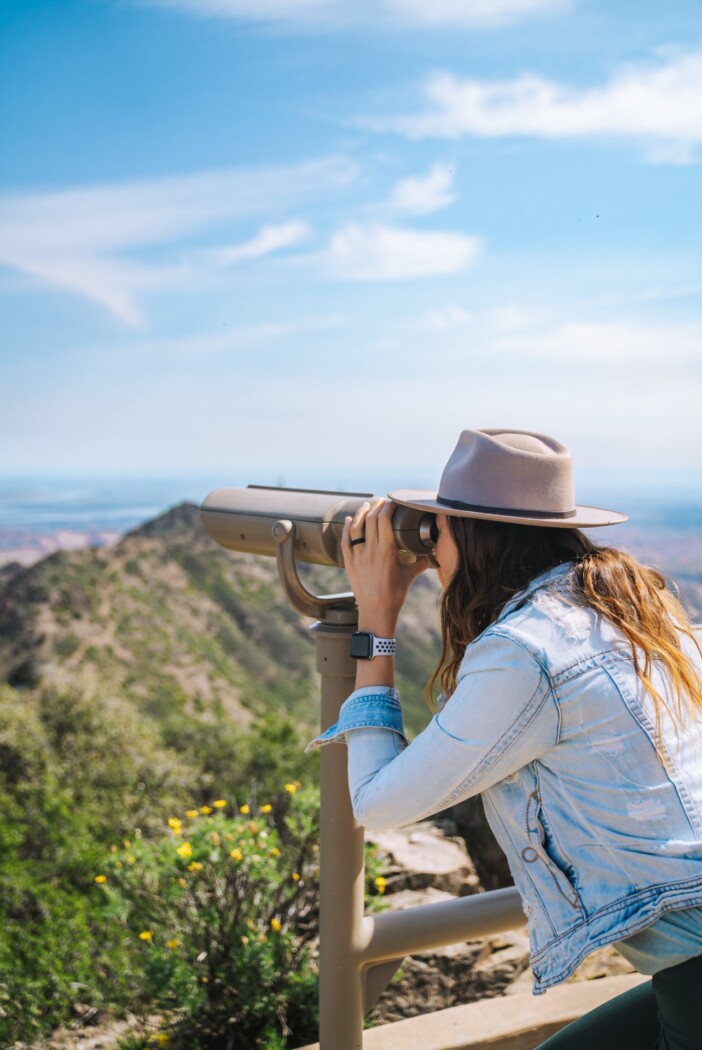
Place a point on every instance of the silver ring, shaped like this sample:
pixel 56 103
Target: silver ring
pixel 360 539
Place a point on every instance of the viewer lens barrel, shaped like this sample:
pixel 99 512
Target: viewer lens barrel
pixel 243 520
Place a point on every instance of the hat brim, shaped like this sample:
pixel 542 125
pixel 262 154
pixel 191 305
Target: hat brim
pixel 584 517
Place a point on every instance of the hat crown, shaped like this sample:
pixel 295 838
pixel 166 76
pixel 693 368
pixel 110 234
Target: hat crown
pixel 512 471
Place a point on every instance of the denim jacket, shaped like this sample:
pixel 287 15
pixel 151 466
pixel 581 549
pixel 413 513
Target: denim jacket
pixel 551 724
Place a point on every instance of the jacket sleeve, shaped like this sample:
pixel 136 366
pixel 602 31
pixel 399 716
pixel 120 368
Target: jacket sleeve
pixel 501 716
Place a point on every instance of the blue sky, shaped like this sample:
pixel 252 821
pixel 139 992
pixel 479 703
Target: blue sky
pixel 303 239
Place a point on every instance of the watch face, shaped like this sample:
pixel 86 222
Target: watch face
pixel 361 645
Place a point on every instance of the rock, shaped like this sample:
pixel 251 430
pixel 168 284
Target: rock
pixel 470 823
pixel 421 855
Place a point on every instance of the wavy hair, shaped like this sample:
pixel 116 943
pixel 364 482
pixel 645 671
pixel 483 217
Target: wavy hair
pixel 497 560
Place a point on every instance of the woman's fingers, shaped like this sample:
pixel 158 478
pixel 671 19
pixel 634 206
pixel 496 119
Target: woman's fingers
pixel 371 523
pixel 354 532
pixel 385 531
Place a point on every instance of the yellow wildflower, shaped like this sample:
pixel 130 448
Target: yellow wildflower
pixel 295 876
pixel 229 836
pixel 182 882
pixel 244 939
pixel 275 852
pixel 191 814
pixel 219 803
pixel 205 809
pixel 185 851
pixel 276 925
pixel 252 826
pixel 131 859
pixel 174 824
pixel 291 788
pixel 267 808
pixel 101 878
pixel 244 809
pixel 205 980
pixel 126 843
pixel 237 854
pixel 162 1038
pixel 250 923
pixel 380 884
pixel 173 943
pixel 146 935
pixel 262 938
pixel 113 848
pixel 195 866
pixel 215 837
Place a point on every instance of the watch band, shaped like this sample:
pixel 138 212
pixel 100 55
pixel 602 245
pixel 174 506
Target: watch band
pixel 366 646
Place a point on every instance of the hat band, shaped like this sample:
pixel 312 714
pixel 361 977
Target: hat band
pixel 457 504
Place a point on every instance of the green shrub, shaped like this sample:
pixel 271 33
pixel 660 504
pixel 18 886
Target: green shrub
pixel 223 908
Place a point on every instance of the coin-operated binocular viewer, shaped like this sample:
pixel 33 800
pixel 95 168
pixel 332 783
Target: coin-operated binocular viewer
pixel 358 954
pixel 304 525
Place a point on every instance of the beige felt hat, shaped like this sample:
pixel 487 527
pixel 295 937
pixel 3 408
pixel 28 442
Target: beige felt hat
pixel 509 475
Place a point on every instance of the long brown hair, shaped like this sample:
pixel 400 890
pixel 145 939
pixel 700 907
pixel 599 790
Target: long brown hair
pixel 496 560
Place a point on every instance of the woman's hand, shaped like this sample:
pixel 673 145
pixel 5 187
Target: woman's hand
pixel 379 580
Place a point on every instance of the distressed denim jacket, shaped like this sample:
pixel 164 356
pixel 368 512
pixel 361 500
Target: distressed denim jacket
pixel 551 724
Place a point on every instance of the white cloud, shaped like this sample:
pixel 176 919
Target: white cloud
pixel 270 239
pixel 654 103
pixel 86 240
pixel 424 194
pixel 448 317
pixel 618 345
pixel 387 253
pixel 331 14
pixel 470 13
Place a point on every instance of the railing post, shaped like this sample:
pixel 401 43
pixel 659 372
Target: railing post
pixel 342 872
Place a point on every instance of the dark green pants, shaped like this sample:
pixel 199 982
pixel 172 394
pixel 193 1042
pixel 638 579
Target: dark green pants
pixel 664 1013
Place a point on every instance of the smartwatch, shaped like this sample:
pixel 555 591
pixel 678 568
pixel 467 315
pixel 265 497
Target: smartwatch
pixel 365 646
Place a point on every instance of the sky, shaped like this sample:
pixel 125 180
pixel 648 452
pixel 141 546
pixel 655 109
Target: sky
pixel 310 240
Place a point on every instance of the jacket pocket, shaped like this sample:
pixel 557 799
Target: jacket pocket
pixel 541 851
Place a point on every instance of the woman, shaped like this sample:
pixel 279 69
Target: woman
pixel 571 699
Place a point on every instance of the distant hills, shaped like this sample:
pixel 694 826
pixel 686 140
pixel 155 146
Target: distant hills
pixel 175 622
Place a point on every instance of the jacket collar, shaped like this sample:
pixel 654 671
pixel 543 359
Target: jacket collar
pixel 558 572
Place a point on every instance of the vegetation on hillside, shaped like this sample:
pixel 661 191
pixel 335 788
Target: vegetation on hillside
pixel 144 682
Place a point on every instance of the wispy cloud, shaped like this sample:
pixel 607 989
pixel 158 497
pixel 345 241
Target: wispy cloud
pixel 655 103
pixel 388 253
pixel 375 14
pixel 88 240
pixel 621 346
pixel 228 339
pixel 470 13
pixel 424 194
pixel 270 239
pixel 447 317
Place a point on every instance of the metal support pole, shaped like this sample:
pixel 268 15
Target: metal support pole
pixel 342 873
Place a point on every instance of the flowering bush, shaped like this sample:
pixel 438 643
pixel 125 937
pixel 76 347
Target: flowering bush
pixel 223 907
